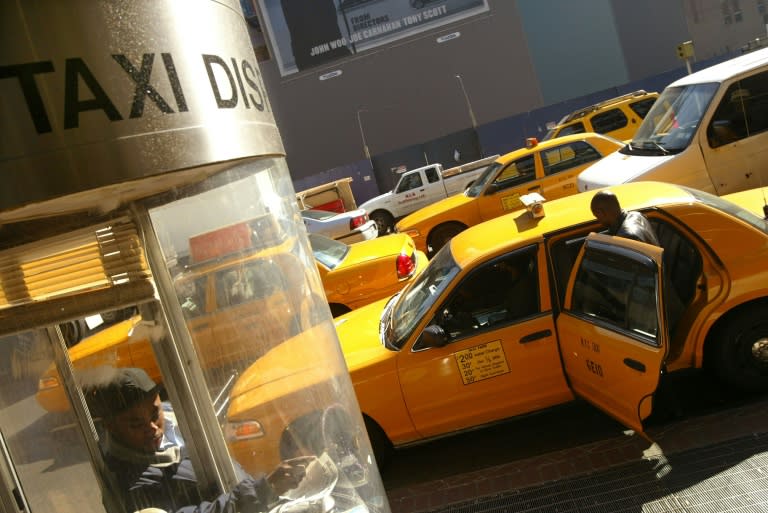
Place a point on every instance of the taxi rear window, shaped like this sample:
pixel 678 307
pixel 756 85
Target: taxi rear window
pixel 730 208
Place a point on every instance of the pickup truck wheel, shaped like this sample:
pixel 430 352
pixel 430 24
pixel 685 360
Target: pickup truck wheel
pixel 384 221
pixel 740 355
pixel 441 235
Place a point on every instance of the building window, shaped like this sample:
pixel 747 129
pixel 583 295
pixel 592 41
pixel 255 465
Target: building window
pixel 694 7
pixel 725 6
pixel 738 16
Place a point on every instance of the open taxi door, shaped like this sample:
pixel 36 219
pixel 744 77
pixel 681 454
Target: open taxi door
pixel 612 331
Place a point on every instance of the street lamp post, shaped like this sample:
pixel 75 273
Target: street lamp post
pixel 469 105
pixel 362 136
pixel 471 112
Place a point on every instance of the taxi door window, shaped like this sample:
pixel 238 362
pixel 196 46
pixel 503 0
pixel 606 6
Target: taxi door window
pixel 563 254
pixel 619 291
pixel 575 128
pixel 192 296
pixel 244 283
pixel 608 121
pixel 432 175
pixel 503 291
pixel 568 156
pixel 520 171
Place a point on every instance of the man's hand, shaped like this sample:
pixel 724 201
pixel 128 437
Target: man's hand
pixel 286 476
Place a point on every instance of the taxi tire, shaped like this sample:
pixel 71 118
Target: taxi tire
pixel 339 309
pixel 440 236
pixel 741 349
pixel 383 450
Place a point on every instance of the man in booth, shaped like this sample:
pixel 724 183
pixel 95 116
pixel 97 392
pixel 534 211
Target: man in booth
pixel 145 453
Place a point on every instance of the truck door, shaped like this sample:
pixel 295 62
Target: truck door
pixel 612 331
pixel 412 193
pixel 734 144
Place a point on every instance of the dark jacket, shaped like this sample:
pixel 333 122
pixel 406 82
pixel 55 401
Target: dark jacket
pixel 167 480
pixel 634 225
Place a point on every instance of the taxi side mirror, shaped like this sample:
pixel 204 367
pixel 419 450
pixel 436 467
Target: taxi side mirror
pixel 432 336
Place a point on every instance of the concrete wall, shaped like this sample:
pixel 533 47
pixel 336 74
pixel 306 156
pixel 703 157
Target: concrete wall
pixel 522 64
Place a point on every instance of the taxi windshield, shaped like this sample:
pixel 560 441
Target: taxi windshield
pixel 417 299
pixel 478 185
pixel 672 121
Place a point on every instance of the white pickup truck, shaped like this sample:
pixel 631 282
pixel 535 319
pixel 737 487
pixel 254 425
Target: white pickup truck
pixel 420 187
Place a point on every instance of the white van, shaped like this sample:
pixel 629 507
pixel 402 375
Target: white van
pixel 708 130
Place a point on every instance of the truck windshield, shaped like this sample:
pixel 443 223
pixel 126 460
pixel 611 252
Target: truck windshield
pixel 479 184
pixel 672 121
pixel 417 299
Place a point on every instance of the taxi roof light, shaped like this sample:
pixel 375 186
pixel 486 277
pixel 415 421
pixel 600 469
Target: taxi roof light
pixel 531 142
pixel 534 203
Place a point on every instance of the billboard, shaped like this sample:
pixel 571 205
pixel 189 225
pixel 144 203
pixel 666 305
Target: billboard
pixel 309 33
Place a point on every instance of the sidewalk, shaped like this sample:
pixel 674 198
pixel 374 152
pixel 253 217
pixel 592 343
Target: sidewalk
pixel 728 438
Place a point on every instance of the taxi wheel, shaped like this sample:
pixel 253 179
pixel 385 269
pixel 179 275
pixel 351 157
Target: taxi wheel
pixel 741 351
pixel 339 309
pixel 440 236
pixel 382 447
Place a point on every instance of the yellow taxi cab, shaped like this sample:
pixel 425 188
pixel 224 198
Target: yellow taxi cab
pixel 755 200
pixel 218 295
pixel 218 304
pixel 357 274
pixel 525 312
pixel 618 117
pixel 549 168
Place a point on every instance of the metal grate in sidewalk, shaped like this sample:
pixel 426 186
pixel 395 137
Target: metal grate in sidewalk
pixel 728 477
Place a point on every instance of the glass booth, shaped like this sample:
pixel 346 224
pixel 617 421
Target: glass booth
pixel 209 287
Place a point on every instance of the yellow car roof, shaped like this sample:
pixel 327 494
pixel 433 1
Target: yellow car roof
pixel 510 229
pixel 557 141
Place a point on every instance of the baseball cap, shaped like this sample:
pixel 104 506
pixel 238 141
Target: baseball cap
pixel 109 390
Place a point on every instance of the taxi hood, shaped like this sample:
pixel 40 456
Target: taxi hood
pixel 434 209
pixel 358 333
pixel 618 168
pixel 305 360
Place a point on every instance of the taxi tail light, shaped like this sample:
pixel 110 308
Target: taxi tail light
pixel 245 430
pixel 358 221
pixel 405 265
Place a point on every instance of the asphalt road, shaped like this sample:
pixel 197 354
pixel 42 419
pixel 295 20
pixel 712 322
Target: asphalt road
pixel 571 425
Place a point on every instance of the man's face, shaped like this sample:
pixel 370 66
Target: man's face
pixel 140 427
pixel 602 215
